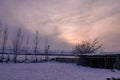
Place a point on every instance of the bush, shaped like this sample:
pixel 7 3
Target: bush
pixel 87 47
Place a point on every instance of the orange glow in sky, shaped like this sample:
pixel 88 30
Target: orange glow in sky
pixel 69 21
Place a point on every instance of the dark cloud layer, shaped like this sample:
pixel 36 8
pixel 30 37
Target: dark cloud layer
pixel 65 22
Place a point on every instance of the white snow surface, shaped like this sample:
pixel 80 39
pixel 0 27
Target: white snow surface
pixel 53 71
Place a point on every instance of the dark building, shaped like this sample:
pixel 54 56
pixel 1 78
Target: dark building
pixel 102 60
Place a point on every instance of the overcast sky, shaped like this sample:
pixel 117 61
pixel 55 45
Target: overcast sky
pixel 65 22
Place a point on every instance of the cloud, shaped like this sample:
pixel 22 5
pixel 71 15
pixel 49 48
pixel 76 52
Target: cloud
pixel 66 21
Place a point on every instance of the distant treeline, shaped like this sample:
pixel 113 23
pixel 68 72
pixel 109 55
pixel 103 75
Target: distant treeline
pixel 19 43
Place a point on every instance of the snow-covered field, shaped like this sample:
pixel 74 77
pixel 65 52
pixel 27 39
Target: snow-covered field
pixel 53 71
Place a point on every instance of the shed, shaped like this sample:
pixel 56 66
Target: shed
pixel 101 60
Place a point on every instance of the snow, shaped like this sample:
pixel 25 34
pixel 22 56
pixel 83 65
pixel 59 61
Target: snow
pixel 103 53
pixel 53 71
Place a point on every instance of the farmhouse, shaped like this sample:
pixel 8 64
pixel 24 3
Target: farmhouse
pixel 108 60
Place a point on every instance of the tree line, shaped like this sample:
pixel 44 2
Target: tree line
pixel 19 42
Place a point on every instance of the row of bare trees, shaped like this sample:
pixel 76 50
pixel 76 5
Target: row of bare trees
pixel 3 39
pixel 20 42
pixel 17 43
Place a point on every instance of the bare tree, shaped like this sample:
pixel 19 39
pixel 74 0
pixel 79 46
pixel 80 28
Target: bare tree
pixel 0 32
pixel 47 47
pixel 4 40
pixel 26 47
pixel 17 43
pixel 36 43
pixel 0 39
pixel 87 47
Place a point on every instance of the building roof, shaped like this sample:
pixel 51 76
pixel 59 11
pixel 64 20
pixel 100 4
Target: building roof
pixel 101 54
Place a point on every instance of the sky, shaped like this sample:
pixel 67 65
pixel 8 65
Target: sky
pixel 65 22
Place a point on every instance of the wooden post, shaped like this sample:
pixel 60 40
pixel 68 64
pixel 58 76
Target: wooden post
pixel 105 63
pixel 90 62
pixel 112 63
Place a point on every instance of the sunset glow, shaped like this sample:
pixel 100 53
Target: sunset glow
pixel 66 21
